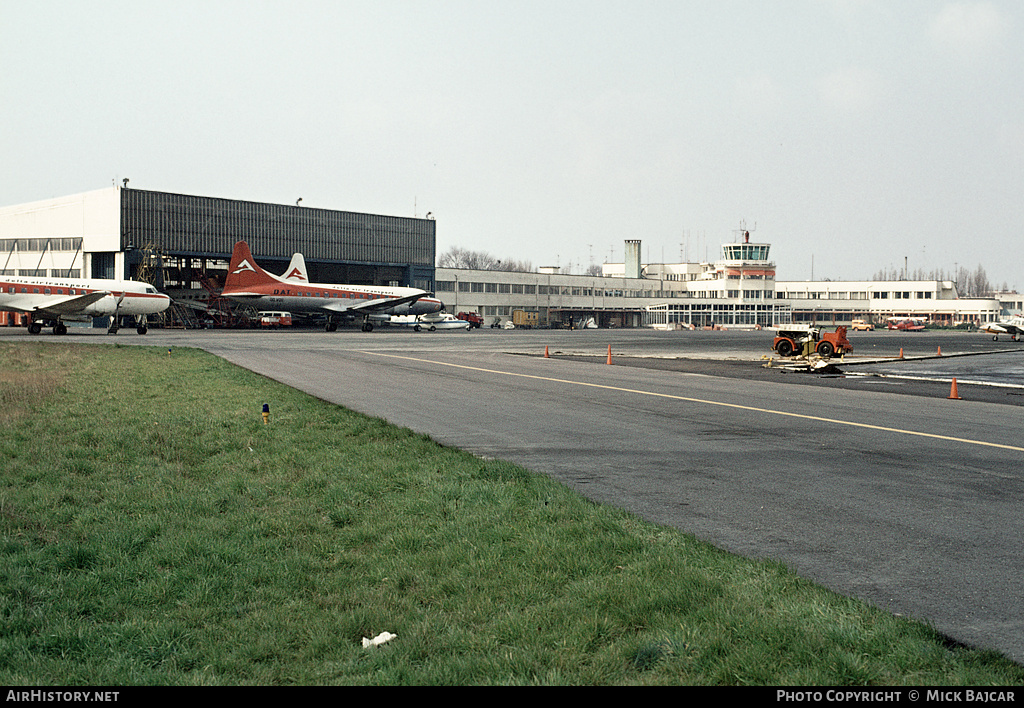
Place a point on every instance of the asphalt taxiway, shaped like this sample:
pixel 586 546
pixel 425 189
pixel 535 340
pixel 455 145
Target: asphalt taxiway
pixel 909 500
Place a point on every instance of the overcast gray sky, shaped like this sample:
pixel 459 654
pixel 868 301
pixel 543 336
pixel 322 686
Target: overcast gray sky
pixel 855 135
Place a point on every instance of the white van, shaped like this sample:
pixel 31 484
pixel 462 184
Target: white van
pixel 275 319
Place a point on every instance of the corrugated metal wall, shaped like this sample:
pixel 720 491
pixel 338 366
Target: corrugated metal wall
pixel 208 226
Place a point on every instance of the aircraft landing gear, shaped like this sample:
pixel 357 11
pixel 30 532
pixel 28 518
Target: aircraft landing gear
pixel 58 327
pixel 115 319
pixel 367 325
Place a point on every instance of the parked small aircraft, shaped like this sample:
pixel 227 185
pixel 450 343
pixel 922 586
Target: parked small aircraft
pixel 292 292
pixel 1014 326
pixel 50 301
pixel 906 324
pixel 432 322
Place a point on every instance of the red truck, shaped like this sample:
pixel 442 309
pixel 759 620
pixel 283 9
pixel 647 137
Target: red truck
pixel 473 318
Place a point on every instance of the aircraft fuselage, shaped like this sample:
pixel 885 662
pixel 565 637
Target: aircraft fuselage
pixel 326 299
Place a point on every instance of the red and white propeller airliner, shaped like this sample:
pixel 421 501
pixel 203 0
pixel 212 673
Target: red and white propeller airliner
pixel 292 292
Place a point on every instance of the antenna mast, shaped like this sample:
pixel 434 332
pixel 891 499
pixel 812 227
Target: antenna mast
pixel 743 232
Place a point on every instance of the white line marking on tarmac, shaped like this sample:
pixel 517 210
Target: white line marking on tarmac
pixel 709 402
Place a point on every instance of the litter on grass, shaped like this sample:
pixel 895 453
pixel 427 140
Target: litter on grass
pixel 378 640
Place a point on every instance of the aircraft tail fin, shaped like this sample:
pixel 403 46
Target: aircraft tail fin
pixel 296 272
pixel 243 273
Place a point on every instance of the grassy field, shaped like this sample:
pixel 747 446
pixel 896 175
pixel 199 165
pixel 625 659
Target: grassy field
pixel 154 531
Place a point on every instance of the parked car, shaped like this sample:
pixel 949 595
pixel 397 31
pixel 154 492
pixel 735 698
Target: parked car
pixel 861 326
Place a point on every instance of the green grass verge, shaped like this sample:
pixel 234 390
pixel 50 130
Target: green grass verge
pixel 154 531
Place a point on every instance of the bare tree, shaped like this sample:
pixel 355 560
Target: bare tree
pixel 456 257
pixel 977 283
pixel 517 266
pixel 969 283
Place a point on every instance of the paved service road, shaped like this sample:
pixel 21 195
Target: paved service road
pixel 912 502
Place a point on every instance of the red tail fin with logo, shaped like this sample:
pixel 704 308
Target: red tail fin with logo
pixel 243 273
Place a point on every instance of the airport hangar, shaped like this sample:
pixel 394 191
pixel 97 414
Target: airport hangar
pixel 182 243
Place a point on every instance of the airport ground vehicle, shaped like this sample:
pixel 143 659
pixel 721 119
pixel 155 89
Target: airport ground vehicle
pixel 801 339
pixel 861 326
pixel 275 319
pixel 524 318
pixel 473 318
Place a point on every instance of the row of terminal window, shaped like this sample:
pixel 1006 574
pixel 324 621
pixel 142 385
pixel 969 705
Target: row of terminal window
pixel 878 295
pixel 521 289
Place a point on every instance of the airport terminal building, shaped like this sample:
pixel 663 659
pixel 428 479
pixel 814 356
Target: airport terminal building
pixel 738 290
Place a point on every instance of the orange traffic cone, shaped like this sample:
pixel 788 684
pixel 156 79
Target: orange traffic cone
pixel 901 352
pixel 546 353
pixel 940 351
pixel 609 353
pixel 953 395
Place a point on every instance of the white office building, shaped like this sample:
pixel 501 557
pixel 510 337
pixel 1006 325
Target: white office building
pixel 738 290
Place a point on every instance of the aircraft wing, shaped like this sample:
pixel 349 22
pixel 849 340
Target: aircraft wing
pixel 63 305
pixel 384 303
